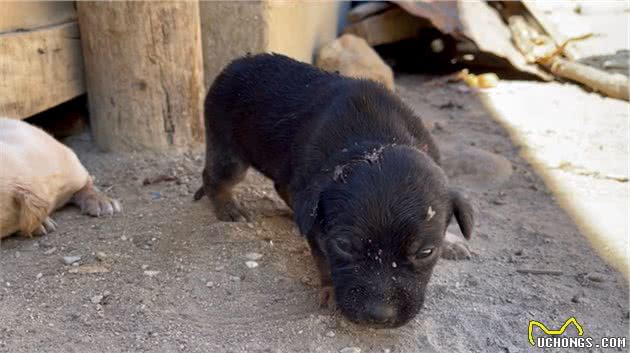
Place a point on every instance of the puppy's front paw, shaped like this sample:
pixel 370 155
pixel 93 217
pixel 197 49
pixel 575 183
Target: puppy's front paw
pixel 455 248
pixel 231 212
pixel 94 203
pixel 327 298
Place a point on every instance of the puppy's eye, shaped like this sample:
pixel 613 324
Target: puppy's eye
pixel 342 247
pixel 426 252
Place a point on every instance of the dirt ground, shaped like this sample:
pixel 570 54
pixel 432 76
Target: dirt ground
pixel 170 278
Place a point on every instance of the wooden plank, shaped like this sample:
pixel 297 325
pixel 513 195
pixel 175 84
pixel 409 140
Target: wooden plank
pixel 39 69
pixel 30 15
pixel 388 27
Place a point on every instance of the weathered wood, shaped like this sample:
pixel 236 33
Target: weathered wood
pixel 552 30
pixel 144 73
pixel 39 69
pixel 230 29
pixel 30 15
pixel 539 48
pixel 367 9
pixel 388 27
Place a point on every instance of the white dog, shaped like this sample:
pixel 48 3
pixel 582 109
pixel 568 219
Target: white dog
pixel 39 175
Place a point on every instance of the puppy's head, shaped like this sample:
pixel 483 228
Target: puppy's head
pixel 380 223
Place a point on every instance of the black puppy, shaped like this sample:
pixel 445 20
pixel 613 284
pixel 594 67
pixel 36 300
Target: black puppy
pixel 358 168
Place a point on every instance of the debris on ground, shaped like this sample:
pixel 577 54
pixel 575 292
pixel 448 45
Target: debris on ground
pixel 485 80
pixel 158 179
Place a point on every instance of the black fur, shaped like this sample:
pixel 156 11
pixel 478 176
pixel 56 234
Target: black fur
pixel 358 168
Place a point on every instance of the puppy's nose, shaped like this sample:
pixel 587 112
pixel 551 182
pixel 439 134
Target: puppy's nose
pixel 381 313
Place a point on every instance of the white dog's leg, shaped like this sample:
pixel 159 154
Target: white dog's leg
pixel 93 202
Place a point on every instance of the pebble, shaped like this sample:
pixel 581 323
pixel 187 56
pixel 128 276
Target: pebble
pixel 350 350
pixel 39 275
pixel 50 251
pixel 69 260
pixel 253 256
pixel 330 334
pixel 235 278
pixel 101 256
pixel 144 267
pixel 151 273
pixel 307 280
pixel 209 284
pixel 596 277
pixel 578 298
pixel 123 238
pixel 251 264
pixel 96 299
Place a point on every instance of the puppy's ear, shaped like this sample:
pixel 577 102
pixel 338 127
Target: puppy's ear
pixel 306 208
pixel 463 211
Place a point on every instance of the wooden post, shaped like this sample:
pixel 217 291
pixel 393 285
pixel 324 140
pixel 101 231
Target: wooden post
pixel 144 73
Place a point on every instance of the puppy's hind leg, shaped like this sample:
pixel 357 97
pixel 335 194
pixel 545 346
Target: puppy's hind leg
pixel 93 202
pixel 222 172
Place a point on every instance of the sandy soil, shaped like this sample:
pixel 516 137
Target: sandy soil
pixel 170 278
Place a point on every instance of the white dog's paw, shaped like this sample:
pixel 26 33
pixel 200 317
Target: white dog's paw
pixel 47 226
pixel 95 203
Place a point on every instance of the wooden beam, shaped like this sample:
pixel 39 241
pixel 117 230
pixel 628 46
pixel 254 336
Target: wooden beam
pixel 144 73
pixel 39 69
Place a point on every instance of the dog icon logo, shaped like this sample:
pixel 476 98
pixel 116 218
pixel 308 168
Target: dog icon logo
pixel 571 320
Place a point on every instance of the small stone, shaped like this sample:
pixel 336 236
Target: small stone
pixel 235 278
pixel 101 256
pixel 144 267
pixel 69 260
pixel 50 251
pixel 253 256
pixel 39 275
pixel 306 280
pixel 123 238
pixel 350 350
pixel 96 299
pixel 578 298
pixel 251 264
pixel 151 273
pixel 596 277
pixel 330 334
pixel 209 284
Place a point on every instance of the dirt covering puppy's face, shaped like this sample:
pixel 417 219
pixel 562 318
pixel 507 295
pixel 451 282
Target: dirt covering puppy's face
pixel 381 226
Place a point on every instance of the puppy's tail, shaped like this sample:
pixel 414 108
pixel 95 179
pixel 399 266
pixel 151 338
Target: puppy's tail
pixel 199 194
